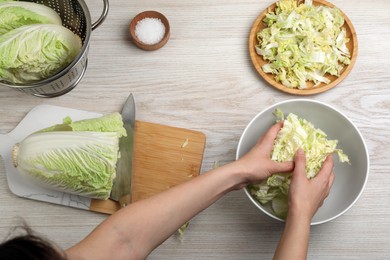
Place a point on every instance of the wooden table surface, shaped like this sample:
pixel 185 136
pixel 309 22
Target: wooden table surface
pixel 203 79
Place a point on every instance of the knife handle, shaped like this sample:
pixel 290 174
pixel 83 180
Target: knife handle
pixel 124 200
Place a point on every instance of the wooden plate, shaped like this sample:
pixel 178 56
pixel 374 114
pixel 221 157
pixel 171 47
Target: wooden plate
pixel 258 60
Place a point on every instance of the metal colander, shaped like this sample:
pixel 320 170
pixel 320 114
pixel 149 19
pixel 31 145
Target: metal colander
pixel 76 17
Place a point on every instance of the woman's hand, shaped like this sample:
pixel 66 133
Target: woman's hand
pixel 304 198
pixel 307 195
pixel 257 163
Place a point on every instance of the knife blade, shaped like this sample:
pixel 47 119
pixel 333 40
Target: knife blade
pixel 121 189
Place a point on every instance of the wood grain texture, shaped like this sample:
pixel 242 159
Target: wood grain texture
pixel 164 156
pixel 203 79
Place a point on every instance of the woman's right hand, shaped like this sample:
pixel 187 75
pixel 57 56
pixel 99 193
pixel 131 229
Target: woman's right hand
pixel 304 198
pixel 307 195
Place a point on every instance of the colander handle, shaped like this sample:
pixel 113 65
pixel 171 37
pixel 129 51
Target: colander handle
pixel 102 16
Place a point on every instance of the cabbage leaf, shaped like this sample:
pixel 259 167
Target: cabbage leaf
pixel 15 14
pixel 35 52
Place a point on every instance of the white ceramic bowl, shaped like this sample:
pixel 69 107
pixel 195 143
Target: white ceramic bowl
pixel 350 179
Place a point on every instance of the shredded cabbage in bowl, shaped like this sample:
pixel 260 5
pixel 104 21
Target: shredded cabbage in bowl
pixel 303 43
pixel 295 133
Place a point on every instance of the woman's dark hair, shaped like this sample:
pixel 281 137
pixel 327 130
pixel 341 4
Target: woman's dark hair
pixel 29 247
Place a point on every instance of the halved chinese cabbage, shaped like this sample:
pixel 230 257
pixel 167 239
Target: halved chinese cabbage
pixel 36 52
pixel 80 159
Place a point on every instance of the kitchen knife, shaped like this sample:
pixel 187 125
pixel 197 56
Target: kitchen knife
pixel 121 189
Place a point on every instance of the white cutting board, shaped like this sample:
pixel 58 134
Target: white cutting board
pixel 161 159
pixel 40 117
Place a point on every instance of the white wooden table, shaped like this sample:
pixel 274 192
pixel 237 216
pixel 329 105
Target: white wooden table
pixel 203 79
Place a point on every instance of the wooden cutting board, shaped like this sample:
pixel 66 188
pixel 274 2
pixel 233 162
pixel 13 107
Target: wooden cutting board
pixel 164 156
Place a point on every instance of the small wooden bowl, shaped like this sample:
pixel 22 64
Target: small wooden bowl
pixel 150 14
pixel 258 60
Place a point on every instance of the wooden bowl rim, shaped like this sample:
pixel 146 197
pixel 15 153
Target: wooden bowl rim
pixel 150 14
pixel 258 61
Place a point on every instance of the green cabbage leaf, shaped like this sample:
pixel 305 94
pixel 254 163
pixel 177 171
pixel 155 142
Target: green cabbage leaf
pixel 74 157
pixel 296 133
pixel 15 14
pixel 36 52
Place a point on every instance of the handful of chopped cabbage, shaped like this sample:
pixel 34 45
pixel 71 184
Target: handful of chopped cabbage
pixel 303 43
pixel 295 133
